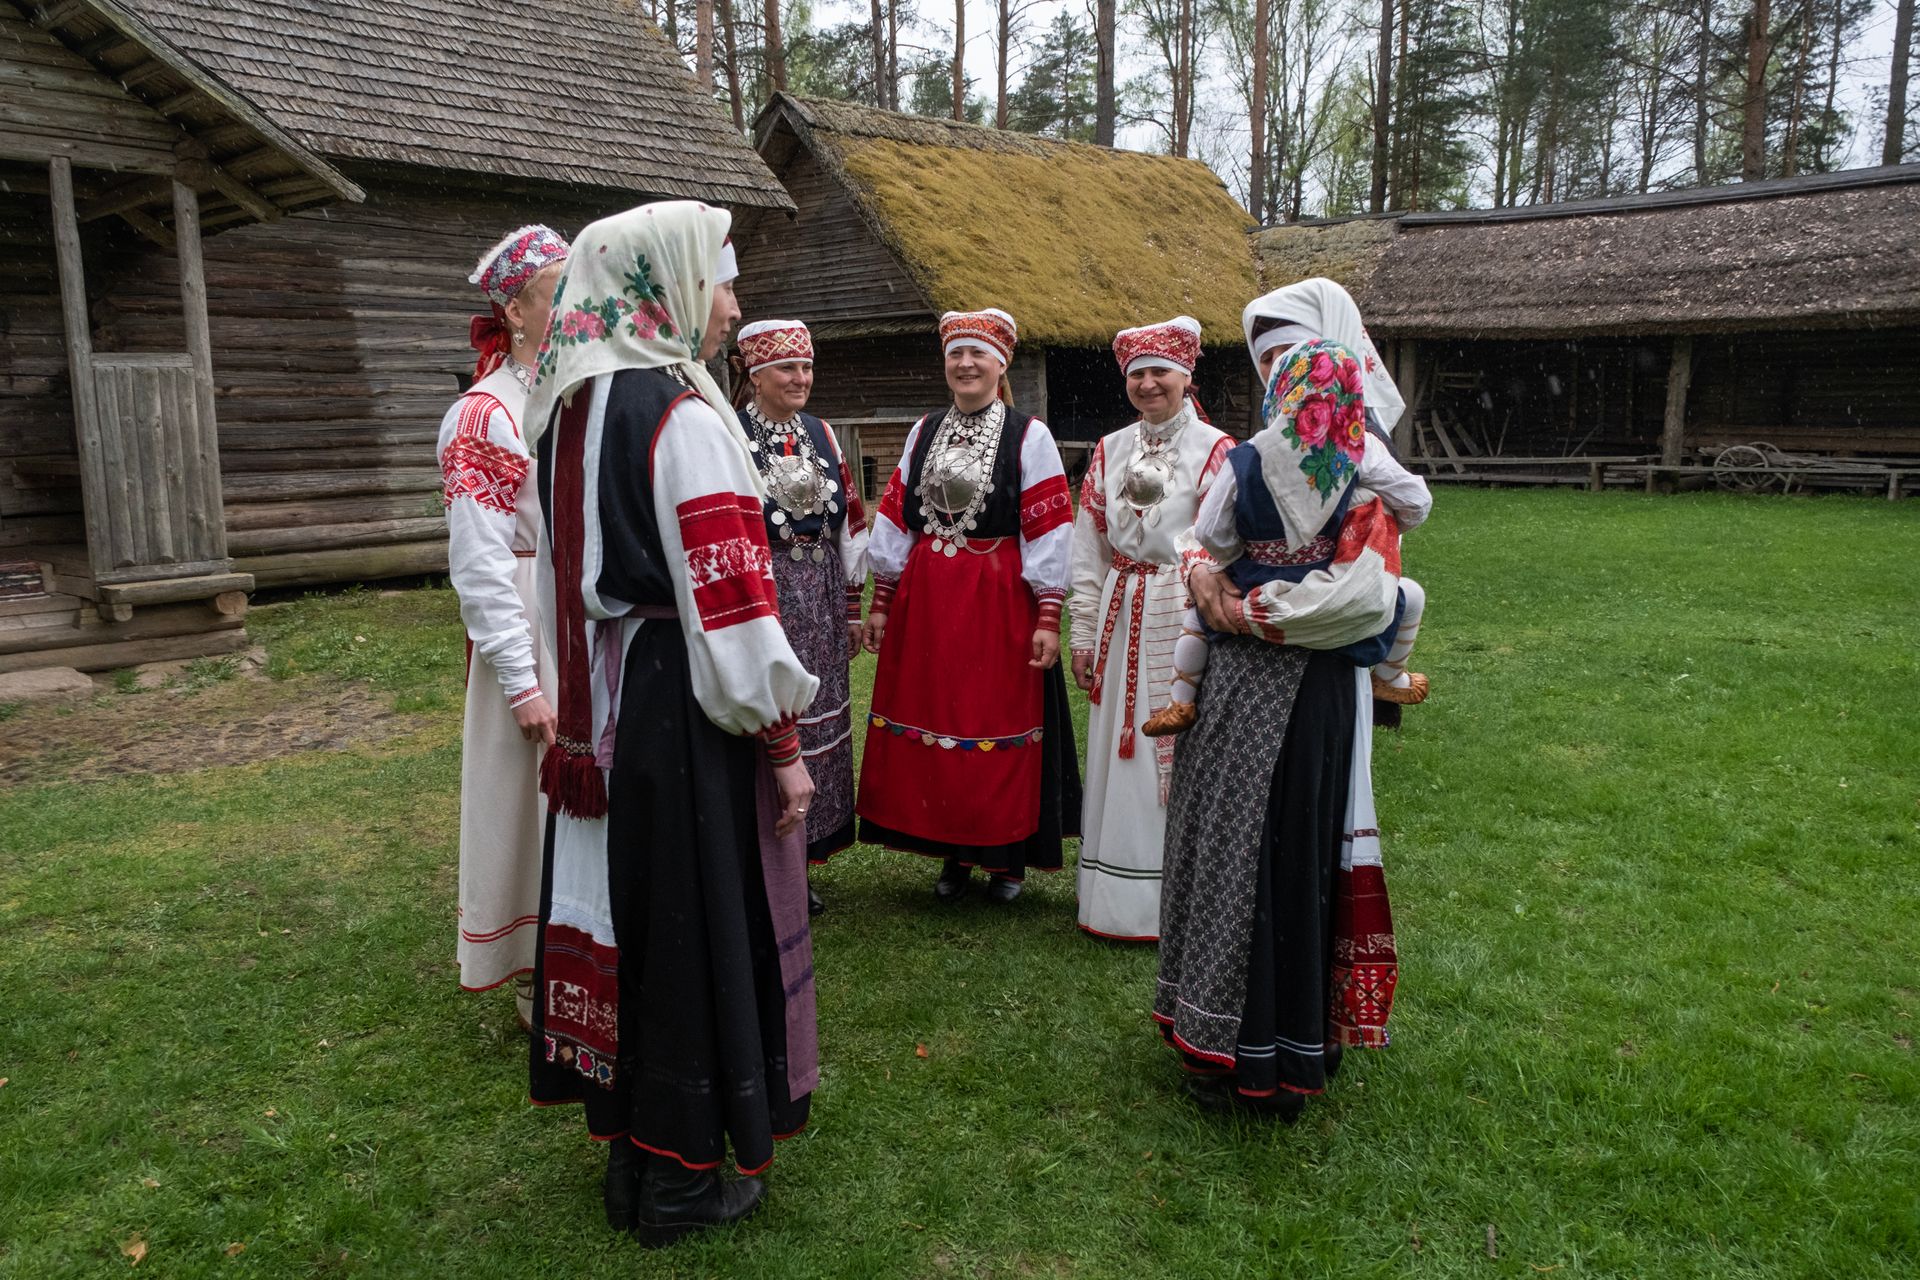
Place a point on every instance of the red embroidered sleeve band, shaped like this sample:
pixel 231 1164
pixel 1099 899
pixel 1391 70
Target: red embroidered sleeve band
pixel 882 596
pixel 782 741
pixel 853 604
pixel 525 695
pixel 1049 613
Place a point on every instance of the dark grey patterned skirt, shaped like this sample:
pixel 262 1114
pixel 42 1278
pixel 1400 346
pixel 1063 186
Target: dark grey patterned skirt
pixel 813 612
pixel 1254 828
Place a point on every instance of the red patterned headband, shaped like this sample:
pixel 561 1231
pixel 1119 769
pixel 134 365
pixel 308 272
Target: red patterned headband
pixel 505 269
pixel 993 329
pixel 766 342
pixel 1172 345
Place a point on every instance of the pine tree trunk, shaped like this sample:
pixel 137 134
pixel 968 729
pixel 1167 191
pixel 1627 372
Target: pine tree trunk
pixel 1405 171
pixel 703 43
pixel 1105 108
pixel 730 63
pixel 893 55
pixel 1753 130
pixel 1257 119
pixel 1797 101
pixel 1183 81
pixel 1894 147
pixel 959 59
pixel 1382 86
pixel 1003 38
pixel 776 50
pixel 879 43
pixel 1701 107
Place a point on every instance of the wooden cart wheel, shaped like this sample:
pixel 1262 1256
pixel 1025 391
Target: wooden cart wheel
pixel 1740 468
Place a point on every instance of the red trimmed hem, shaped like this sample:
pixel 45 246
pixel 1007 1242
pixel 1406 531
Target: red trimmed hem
pixel 1119 937
pixel 675 1156
pixel 496 935
pixel 606 1137
pixel 554 1102
pixel 754 1172
pixel 1292 1088
pixel 495 986
pixel 1208 1072
pixel 1225 1060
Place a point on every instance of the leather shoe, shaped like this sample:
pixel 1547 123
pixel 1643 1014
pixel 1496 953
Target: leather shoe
pixel 1002 890
pixel 953 881
pixel 676 1201
pixel 814 905
pixel 621 1192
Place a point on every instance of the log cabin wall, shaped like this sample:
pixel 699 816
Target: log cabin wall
pixel 36 402
pixel 823 263
pixel 1811 391
pixel 340 339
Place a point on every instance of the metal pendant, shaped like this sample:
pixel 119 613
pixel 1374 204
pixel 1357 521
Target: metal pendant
pixel 952 551
pixel 939 547
pixel 819 555
pixel 796 553
pixel 753 444
pixel 833 508
pixel 778 517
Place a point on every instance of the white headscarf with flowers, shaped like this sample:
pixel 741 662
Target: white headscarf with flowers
pixel 1319 308
pixel 636 295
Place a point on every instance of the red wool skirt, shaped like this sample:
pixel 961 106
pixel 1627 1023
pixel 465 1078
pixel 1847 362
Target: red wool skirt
pixel 956 739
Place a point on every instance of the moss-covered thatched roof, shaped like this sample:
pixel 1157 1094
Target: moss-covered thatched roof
pixel 1076 241
pixel 1825 251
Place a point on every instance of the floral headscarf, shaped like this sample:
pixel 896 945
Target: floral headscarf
pixel 636 295
pixel 1316 432
pixel 1319 308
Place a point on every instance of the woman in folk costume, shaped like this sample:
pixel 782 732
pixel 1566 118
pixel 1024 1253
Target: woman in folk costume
pixel 1142 488
pixel 818 532
pixel 969 752
pixel 493 523
pixel 675 976
pixel 1277 943
pixel 1273 333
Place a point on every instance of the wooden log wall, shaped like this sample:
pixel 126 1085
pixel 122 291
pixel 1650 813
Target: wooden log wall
pixel 822 263
pixel 55 103
pixel 39 470
pixel 339 339
pixel 1808 391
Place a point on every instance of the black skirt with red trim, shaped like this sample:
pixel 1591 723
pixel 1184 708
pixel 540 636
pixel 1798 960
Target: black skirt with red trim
pixel 1285 1027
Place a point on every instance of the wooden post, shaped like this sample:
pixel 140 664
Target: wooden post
pixel 1406 377
pixel 79 339
pixel 206 519
pixel 1673 436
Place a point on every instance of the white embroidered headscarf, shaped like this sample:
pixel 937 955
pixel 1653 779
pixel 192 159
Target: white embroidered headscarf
pixel 636 295
pixel 1319 308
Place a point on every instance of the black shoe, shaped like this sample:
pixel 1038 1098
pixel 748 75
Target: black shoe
pixel 621 1193
pixel 1218 1095
pixel 676 1201
pixel 1002 890
pixel 1210 1093
pixel 1335 1053
pixel 814 905
pixel 953 881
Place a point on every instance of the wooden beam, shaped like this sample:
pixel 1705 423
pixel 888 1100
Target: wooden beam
pixel 100 45
pixel 57 15
pixel 1673 434
pixel 171 590
pixel 244 196
pixel 79 338
pixel 128 195
pixel 151 228
pixel 139 75
pixel 177 102
pixel 204 515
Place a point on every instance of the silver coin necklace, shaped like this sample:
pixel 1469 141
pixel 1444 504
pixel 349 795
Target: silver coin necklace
pixel 798 479
pixel 957 477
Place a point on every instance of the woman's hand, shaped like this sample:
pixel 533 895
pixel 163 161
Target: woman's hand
pixel 536 720
pixel 856 631
pixel 1217 599
pixel 1046 649
pixel 1083 671
pixel 796 793
pixel 874 631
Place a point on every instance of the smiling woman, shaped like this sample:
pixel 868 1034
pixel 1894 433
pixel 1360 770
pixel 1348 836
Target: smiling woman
pixel 970 564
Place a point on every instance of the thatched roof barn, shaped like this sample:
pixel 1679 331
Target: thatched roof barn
pixel 1786 311
pixel 115 142
pixel 902 217
pixel 368 152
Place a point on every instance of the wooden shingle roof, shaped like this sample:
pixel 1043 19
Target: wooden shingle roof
pixel 1822 251
pixel 437 82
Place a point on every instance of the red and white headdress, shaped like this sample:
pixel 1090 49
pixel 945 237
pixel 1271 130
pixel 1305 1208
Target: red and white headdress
pixel 505 269
pixel 991 330
pixel 1172 345
pixel 769 342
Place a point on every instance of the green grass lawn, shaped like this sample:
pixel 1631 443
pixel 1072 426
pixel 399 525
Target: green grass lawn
pixel 1653 847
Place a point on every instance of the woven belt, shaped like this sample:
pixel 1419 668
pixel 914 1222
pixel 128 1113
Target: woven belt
pixel 1124 566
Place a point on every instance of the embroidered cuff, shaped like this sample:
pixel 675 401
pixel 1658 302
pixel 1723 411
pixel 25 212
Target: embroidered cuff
pixel 1079 653
pixel 782 741
pixel 1049 614
pixel 882 595
pixel 853 604
pixel 525 695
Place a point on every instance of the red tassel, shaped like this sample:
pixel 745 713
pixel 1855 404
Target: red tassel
pixel 1126 743
pixel 573 784
pixel 1099 682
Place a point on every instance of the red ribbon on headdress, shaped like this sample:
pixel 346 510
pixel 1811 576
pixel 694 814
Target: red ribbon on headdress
pixel 488 336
